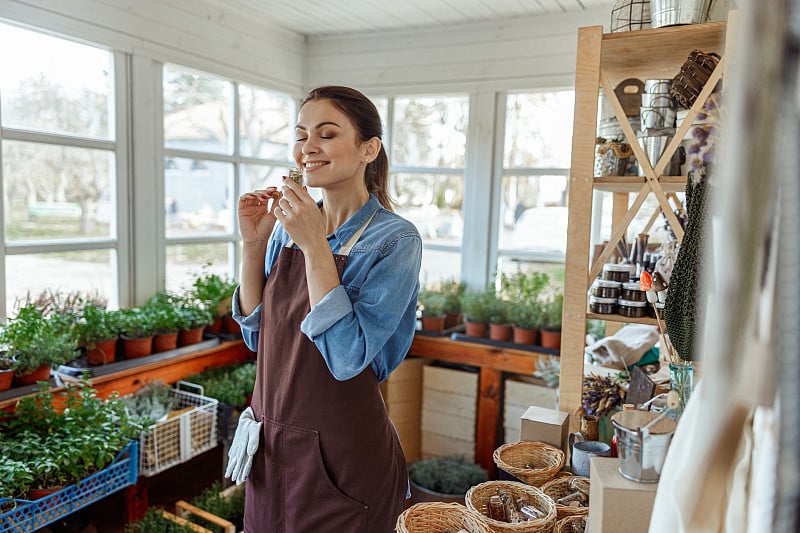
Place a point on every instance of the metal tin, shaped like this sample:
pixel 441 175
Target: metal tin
pixel 631 308
pixel 632 291
pixel 603 288
pixel 617 272
pixel 603 306
pixel 641 449
pixel 658 86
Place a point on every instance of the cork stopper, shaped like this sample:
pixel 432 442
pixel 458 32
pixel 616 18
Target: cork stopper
pixel 296 175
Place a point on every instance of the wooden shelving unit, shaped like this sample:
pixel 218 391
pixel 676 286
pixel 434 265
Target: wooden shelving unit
pixel 605 60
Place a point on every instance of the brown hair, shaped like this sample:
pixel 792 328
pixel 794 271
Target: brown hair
pixel 364 116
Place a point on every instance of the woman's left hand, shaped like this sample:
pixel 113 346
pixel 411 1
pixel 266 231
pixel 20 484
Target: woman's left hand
pixel 300 215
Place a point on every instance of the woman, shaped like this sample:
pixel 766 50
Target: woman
pixel 332 317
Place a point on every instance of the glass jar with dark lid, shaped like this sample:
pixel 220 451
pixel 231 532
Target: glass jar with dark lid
pixel 603 288
pixel 633 291
pixel 631 308
pixel 603 306
pixel 617 272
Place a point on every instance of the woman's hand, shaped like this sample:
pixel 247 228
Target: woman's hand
pixel 256 212
pixel 300 216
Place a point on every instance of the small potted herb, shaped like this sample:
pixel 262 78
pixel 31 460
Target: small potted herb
pixel 526 318
pixel 443 479
pixel 476 309
pixel 432 303
pixel 453 293
pixel 137 326
pixel 6 371
pixel 552 310
pixel 167 320
pixel 98 332
pixel 193 319
pixel 499 325
pixel 216 293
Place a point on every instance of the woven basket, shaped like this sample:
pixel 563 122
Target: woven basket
pixel 477 499
pixel 430 517
pixel 558 488
pixel 514 457
pixel 693 75
pixel 568 525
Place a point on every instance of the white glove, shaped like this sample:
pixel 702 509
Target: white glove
pixel 243 447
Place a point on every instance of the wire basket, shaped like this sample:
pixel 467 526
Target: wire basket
pixel 189 430
pixel 560 487
pixel 692 77
pixel 627 15
pixel 428 517
pixel 477 499
pixel 571 524
pixel 32 515
pixel 535 463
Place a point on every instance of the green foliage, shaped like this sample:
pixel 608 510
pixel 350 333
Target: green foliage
pixel 433 303
pixel 61 447
pixel 95 324
pixel 453 293
pixel 151 403
pixel 522 287
pixel 596 328
pixel 230 508
pixel 552 311
pixel 35 339
pixel 6 362
pixel 548 370
pixel 498 310
pixel 476 305
pixel 230 384
pixel 526 315
pixel 215 292
pixel 138 322
pixel 164 310
pixel 193 314
pixel 154 522
pixel 447 475
pixel 15 478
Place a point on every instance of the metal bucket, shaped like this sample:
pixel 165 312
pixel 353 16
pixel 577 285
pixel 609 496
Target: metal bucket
pixel 641 453
pixel 657 117
pixel 653 147
pixel 674 12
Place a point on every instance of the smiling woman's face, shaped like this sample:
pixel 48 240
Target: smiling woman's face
pixel 327 147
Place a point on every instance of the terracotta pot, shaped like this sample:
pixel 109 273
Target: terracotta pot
pixel 525 335
pixel 163 342
pixel 551 339
pixel 215 327
pixel 433 323
pixel 190 336
pixel 6 379
pixel 134 347
pixel 475 329
pixel 452 320
pixel 39 374
pixel 37 494
pixel 500 332
pixel 229 325
pixel 102 352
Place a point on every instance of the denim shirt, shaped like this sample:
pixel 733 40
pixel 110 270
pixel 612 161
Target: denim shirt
pixel 368 320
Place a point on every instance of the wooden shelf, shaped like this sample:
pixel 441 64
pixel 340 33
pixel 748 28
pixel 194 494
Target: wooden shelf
pixel 613 317
pixel 629 184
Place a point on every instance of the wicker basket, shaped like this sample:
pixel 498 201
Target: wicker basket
pixel 430 517
pixel 560 487
pixel 568 525
pixel 514 458
pixel 693 75
pixel 477 499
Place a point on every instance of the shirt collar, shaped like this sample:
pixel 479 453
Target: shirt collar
pixel 346 230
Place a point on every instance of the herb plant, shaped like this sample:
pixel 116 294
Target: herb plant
pixel 446 475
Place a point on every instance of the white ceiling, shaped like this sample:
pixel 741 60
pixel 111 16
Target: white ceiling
pixel 317 17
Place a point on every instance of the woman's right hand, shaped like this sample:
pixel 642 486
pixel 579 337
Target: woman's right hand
pixel 256 212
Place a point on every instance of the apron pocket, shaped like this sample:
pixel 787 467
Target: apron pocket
pixel 311 501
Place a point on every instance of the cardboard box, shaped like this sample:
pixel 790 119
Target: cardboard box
pixel 617 504
pixel 545 425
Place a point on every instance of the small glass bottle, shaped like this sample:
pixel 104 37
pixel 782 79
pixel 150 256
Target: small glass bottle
pixel 681 380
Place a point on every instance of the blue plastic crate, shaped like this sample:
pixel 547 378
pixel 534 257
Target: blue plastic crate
pixel 32 515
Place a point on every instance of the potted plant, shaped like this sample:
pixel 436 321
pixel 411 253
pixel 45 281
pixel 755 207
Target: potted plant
pixel 137 326
pixel 38 342
pixel 499 326
pixel 552 310
pixel 216 293
pixel 193 319
pixel 526 318
pixel 15 479
pixel 167 321
pixel 432 303
pixel 453 293
pixel 443 479
pixel 98 332
pixel 476 309
pixel 6 371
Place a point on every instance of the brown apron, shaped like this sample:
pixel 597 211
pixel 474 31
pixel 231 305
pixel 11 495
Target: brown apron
pixel 329 459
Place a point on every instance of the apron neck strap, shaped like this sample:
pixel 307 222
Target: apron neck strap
pixel 345 249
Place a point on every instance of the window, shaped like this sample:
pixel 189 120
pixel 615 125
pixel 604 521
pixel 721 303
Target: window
pixel 536 160
pixel 59 173
pixel 428 153
pixel 209 163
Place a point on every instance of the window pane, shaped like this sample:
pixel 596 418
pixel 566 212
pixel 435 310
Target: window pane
pixel 54 85
pixel 430 131
pixel 382 105
pixel 185 262
pixel 197 196
pixel 261 176
pixel 91 271
pixel 534 217
pixel 265 123
pixel 439 266
pixel 433 202
pixel 56 192
pixel 539 130
pixel 198 111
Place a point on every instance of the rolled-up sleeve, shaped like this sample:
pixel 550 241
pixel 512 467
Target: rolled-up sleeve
pixel 250 323
pixel 333 307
